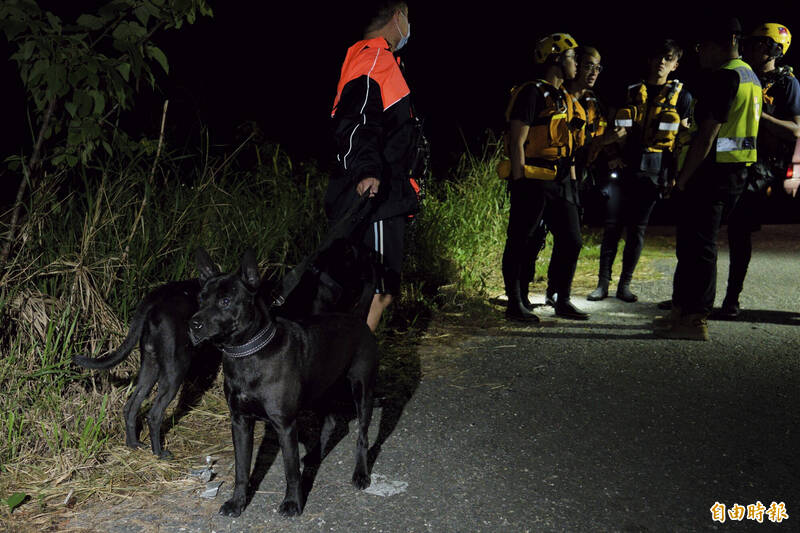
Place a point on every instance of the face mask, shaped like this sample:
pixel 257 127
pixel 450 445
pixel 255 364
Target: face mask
pixel 403 38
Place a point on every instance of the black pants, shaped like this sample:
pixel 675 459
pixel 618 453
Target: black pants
pixel 630 202
pixel 744 219
pixel 532 201
pixel 709 197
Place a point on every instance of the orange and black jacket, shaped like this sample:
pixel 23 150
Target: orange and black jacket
pixel 374 131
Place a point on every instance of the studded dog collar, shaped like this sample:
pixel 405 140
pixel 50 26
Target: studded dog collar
pixel 261 339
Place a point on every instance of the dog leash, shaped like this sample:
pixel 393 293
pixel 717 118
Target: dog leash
pixel 261 339
pixel 344 227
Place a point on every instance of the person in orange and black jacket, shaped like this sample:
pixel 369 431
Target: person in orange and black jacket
pixel 376 135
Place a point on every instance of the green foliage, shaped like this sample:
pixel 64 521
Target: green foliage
pixel 89 70
pixel 460 233
pixel 15 500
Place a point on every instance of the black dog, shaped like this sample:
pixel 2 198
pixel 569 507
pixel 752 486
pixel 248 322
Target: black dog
pixel 160 326
pixel 341 279
pixel 275 367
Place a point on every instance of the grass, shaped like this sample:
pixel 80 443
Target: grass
pixel 94 243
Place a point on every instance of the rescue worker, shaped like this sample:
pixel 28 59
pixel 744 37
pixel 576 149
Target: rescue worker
pixel 777 135
pixel 546 125
pixel 654 110
pixel 712 175
pixel 596 137
pixel 375 134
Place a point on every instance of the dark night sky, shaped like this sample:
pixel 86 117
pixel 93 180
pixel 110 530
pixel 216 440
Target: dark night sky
pixel 278 64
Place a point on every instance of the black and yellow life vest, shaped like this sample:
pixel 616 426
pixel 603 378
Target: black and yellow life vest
pixel 768 80
pixel 596 123
pixel 557 130
pixel 654 117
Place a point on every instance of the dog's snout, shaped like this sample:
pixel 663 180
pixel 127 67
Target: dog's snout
pixel 196 324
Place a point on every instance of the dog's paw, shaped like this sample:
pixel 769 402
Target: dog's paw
pixel 360 480
pixel 290 508
pixel 136 444
pixel 165 455
pixel 231 508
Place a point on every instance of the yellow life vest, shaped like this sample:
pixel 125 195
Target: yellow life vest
pixel 769 80
pixel 596 123
pixel 557 130
pixel 654 117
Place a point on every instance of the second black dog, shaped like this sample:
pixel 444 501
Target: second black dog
pixel 160 326
pixel 275 367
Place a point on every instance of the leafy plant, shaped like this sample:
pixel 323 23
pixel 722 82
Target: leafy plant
pixel 15 500
pixel 81 75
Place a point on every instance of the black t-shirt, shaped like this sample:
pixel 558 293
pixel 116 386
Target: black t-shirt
pixel 527 105
pixel 715 99
pixel 785 93
pixel 716 94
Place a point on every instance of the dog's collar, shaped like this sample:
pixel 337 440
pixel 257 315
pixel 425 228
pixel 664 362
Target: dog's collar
pixel 261 339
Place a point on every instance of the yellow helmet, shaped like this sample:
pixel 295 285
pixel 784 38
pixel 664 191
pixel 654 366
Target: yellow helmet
pixel 777 32
pixel 552 44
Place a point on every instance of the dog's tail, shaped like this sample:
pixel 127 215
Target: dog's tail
pixel 116 357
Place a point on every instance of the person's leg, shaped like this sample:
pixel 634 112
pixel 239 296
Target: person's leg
pixel 742 221
pixel 694 284
pixel 386 238
pixel 528 268
pixel 638 202
pixel 612 231
pixel 379 304
pixel 564 222
pixel 525 213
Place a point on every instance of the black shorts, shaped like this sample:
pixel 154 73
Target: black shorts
pixel 386 238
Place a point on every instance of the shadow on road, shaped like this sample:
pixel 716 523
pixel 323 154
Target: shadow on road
pixel 764 316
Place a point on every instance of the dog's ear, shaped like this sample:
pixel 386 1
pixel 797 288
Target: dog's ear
pixel 249 270
pixel 205 266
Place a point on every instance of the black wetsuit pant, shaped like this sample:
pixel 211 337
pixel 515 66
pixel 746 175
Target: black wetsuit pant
pixel 743 220
pixel 629 205
pixel 531 202
pixel 709 197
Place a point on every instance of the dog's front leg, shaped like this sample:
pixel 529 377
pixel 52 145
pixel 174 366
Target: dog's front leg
pixel 242 430
pixel 287 437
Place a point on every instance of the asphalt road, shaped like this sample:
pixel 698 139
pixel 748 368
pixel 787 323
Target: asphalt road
pixel 595 426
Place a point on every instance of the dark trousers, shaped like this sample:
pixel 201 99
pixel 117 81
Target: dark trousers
pixel 531 202
pixel 701 208
pixel 630 202
pixel 743 220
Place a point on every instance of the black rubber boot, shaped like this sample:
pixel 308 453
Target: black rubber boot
pixel 730 307
pixel 550 297
pixel 600 293
pixel 523 296
pixel 565 309
pixel 516 309
pixel 624 290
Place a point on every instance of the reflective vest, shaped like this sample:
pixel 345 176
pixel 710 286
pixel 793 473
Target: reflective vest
pixel 557 130
pixel 655 118
pixel 736 141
